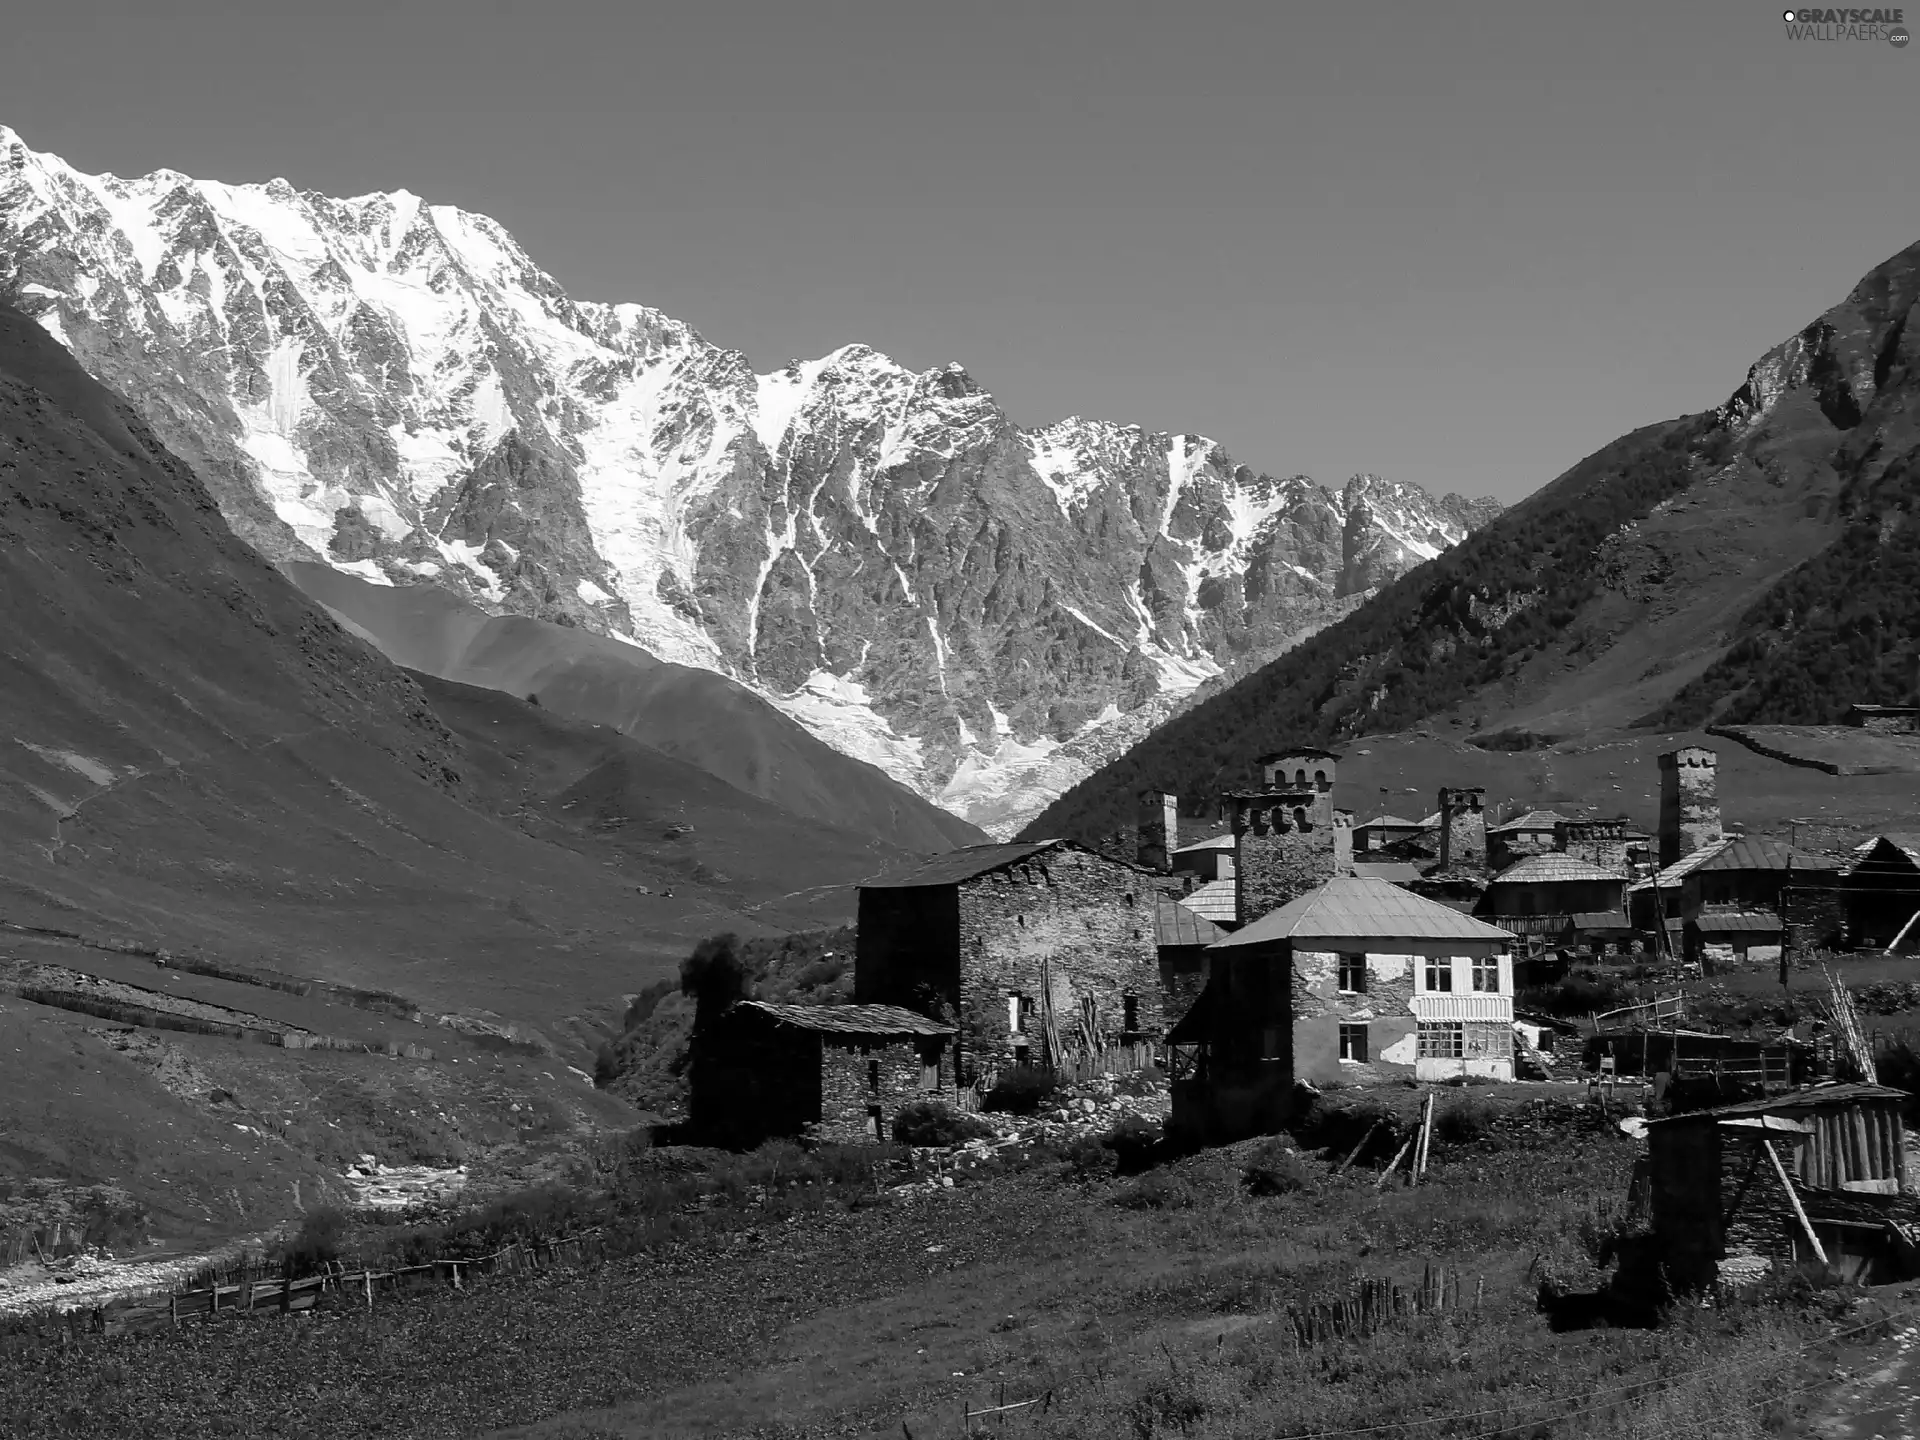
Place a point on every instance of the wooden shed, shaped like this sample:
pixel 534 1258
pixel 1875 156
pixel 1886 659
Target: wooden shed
pixel 1819 1173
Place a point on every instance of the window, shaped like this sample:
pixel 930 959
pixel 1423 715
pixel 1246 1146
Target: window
pixel 1131 1005
pixel 1019 1012
pixel 1486 974
pixel 1300 818
pixel 1353 1043
pixel 1353 974
pixel 873 1077
pixel 1439 974
pixel 1442 1041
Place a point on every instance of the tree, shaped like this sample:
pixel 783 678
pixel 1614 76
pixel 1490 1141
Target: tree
pixel 716 977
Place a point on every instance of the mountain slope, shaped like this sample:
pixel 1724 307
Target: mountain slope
pixel 1751 563
pixel 689 714
pixel 394 389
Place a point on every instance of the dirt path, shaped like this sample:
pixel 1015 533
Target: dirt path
pixel 1880 1397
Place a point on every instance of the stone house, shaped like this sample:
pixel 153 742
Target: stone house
pixel 998 939
pixel 1288 836
pixel 1885 719
pixel 1533 833
pixel 838 1072
pixel 1183 938
pixel 1717 1195
pixel 1538 897
pixel 1356 980
pixel 1382 831
pixel 1733 885
pixel 1206 860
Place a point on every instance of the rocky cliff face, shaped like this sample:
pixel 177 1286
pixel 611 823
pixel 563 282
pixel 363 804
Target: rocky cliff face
pixel 395 389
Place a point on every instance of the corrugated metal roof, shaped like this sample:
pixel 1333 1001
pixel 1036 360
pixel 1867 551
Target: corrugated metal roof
pixel 1760 853
pixel 1354 907
pixel 1177 924
pixel 1670 877
pixel 1553 870
pixel 1532 820
pixel 1394 872
pixel 1794 1100
pixel 958 865
pixel 1591 920
pixel 849 1019
pixel 1713 922
pixel 1216 900
pixel 1388 822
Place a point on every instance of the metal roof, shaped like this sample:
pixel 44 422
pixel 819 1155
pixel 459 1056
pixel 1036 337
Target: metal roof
pixel 1212 842
pixel 1809 1099
pixel 1396 872
pixel 1388 822
pixel 1532 820
pixel 1600 920
pixel 1553 869
pixel 1670 877
pixel 1216 900
pixel 1760 853
pixel 1177 924
pixel 974 860
pixel 1355 907
pixel 1732 920
pixel 849 1019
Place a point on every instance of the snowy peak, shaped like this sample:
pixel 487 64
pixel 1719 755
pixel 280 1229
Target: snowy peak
pixel 395 388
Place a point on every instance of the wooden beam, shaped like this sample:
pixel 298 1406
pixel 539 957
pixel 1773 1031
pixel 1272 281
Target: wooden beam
pixel 1793 1197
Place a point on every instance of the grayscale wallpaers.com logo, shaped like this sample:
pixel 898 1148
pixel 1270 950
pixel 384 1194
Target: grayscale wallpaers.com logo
pixel 1821 24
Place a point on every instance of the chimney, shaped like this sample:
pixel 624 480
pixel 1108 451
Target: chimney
pixel 1157 828
pixel 1689 802
pixel 1463 829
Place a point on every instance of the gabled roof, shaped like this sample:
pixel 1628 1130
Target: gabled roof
pixel 1216 900
pixel 1553 869
pixel 1907 845
pixel 1390 822
pixel 1532 820
pixel 848 1019
pixel 1670 877
pixel 1760 853
pixel 1394 872
pixel 1212 842
pixel 1177 924
pixel 1353 907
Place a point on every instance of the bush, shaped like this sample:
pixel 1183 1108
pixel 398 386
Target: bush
pixel 1089 1158
pixel 928 1122
pixel 1275 1169
pixel 1463 1121
pixel 1338 1126
pixel 1021 1091
pixel 1158 1190
pixel 316 1244
pixel 1133 1142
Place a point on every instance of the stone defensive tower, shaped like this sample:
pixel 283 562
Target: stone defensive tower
pixel 1689 802
pixel 1157 829
pixel 1288 837
pixel 1598 842
pixel 1463 829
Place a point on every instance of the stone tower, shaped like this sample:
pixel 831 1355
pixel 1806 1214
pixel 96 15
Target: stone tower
pixel 1689 802
pixel 1302 770
pixel 1598 842
pixel 1157 827
pixel 1463 829
pixel 1281 849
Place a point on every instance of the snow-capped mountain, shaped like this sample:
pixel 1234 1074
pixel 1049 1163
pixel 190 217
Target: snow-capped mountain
pixel 394 388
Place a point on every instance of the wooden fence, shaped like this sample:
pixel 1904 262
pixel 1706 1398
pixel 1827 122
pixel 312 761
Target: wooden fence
pixel 249 1288
pixel 1371 1305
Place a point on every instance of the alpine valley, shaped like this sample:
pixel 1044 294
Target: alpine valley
pixel 389 390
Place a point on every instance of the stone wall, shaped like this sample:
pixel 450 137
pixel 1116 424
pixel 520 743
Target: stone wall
pixel 1183 975
pixel 1319 1008
pixel 1277 857
pixel 1086 919
pixel 1815 918
pixel 1463 828
pixel 1689 802
pixel 1598 842
pixel 864 1079
pixel 1157 829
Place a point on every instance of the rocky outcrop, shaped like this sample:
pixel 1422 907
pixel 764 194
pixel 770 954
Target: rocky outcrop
pixel 395 389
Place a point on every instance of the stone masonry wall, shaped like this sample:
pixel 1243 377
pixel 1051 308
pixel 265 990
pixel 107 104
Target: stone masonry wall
pixel 1320 1008
pixel 1598 842
pixel 1689 802
pixel 1463 829
pixel 1088 918
pixel 857 1077
pixel 1157 829
pixel 1276 860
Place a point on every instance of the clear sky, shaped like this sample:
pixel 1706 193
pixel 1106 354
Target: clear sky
pixel 1460 244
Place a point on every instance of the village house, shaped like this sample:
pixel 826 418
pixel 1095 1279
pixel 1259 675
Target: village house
pixel 1729 901
pixel 835 1072
pixel 1039 952
pixel 1816 1173
pixel 1384 830
pixel 1529 834
pixel 1538 897
pixel 1355 980
pixel 1885 719
pixel 1881 890
pixel 1183 938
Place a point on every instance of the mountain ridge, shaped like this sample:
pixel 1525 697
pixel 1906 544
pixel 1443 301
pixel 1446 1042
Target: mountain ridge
pixel 395 389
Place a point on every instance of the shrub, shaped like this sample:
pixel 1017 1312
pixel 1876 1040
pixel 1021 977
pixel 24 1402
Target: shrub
pixel 1336 1126
pixel 1463 1121
pixel 928 1122
pixel 1132 1142
pixel 1158 1190
pixel 1021 1091
pixel 1089 1158
pixel 316 1244
pixel 1275 1169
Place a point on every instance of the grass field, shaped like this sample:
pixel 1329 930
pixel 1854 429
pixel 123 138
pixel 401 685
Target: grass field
pixel 1145 1305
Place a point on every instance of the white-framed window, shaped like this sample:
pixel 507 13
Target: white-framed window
pixel 1486 974
pixel 1439 974
pixel 1353 974
pixel 1353 1043
pixel 1441 1040
pixel 1019 1012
